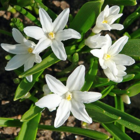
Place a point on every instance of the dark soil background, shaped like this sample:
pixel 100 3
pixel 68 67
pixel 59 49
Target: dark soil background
pixel 15 109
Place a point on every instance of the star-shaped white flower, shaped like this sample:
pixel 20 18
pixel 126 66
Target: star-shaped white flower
pixel 69 97
pixel 106 19
pixel 96 41
pixel 52 33
pixel 109 58
pixel 24 53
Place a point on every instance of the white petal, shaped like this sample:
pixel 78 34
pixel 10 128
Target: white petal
pixel 112 66
pixel 38 59
pixel 63 113
pixel 77 78
pixel 112 18
pixel 79 112
pixel 117 26
pixel 34 32
pixel 61 21
pixel 29 62
pixel 113 10
pixel 96 30
pixel 15 49
pixel 59 50
pixel 55 85
pixel 86 97
pixel 126 99
pixel 122 59
pixel 50 101
pixel 42 45
pixel 106 26
pixel 118 45
pixel 67 34
pixel 45 20
pixel 29 78
pixel 17 61
pixel 18 37
pixel 97 52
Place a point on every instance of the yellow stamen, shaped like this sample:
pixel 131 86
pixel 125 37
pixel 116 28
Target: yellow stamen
pixel 107 56
pixel 68 96
pixel 105 21
pixel 51 35
pixel 30 50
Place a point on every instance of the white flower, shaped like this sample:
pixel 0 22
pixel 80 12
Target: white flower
pixel 116 78
pixel 46 90
pixel 24 53
pixel 69 97
pixel 111 60
pixel 96 41
pixel 106 19
pixel 126 99
pixel 52 33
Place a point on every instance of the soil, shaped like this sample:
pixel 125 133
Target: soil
pixel 15 109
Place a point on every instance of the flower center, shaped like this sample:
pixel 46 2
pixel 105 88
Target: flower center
pixel 30 50
pixel 107 56
pixel 68 96
pixel 51 35
pixel 105 21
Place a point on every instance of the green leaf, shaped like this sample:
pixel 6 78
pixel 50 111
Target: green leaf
pixel 90 76
pixel 86 16
pixel 125 119
pixel 25 86
pixel 75 130
pixel 47 62
pixel 121 2
pixel 29 129
pixel 10 122
pixel 27 14
pixel 132 48
pixel 100 115
pixel 134 90
pixel 116 132
pixel 31 113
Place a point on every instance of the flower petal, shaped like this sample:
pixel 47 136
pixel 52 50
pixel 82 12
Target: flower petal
pixel 118 45
pixel 18 37
pixel 67 34
pixel 17 61
pixel 15 49
pixel 59 50
pixel 77 78
pixel 86 97
pixel 79 112
pixel 113 10
pixel 50 101
pixel 29 62
pixel 42 45
pixel 112 66
pixel 96 30
pixel 46 89
pixel 122 59
pixel 29 78
pixel 55 85
pixel 38 59
pixel 45 20
pixel 117 26
pixel 34 32
pixel 63 113
pixel 61 21
pixel 97 52
pixel 112 18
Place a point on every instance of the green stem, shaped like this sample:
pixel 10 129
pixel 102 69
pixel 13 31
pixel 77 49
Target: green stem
pixel 5 32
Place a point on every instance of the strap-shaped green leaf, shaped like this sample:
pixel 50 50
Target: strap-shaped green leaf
pixel 29 129
pixel 100 115
pixel 27 14
pixel 134 90
pixel 121 2
pixel 86 16
pixel 132 48
pixel 85 132
pixel 125 119
pixel 116 132
pixel 31 113
pixel 25 86
pixel 90 76
pixel 47 62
